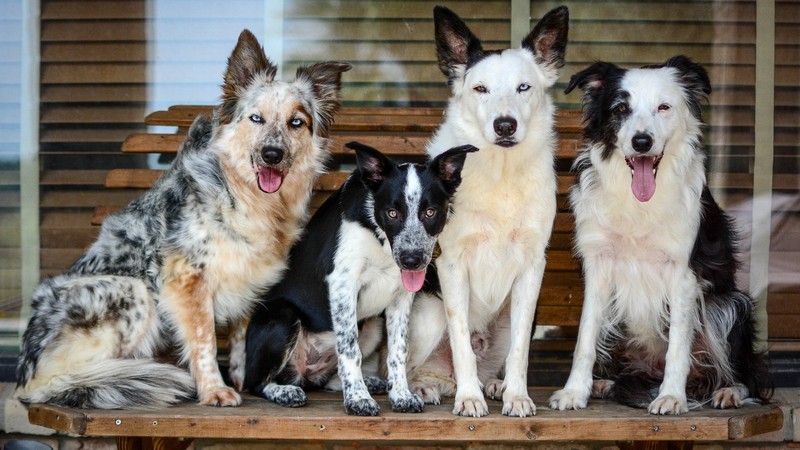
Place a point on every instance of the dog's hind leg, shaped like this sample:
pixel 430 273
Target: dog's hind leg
pixel 271 340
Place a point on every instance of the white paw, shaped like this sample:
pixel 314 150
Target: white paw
pixel 728 397
pixel 471 407
pixel 519 406
pixel 569 399
pixel 668 404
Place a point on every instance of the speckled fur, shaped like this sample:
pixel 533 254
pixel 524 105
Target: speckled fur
pixel 191 253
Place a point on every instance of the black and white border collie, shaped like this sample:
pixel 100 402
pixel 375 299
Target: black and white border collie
pixel 661 309
pixel 364 252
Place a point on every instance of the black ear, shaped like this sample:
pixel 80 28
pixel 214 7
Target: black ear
pixel 593 78
pixel 373 166
pixel 548 39
pixel 447 166
pixel 454 41
pixel 246 61
pixel 693 75
pixel 326 82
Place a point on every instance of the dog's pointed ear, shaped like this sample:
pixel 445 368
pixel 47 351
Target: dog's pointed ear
pixel 373 166
pixel 548 41
pixel 695 80
pixel 447 166
pixel 455 43
pixel 247 61
pixel 593 79
pixel 325 79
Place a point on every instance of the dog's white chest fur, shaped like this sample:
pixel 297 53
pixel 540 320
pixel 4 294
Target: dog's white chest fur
pixel 644 248
pixel 370 266
pixel 503 217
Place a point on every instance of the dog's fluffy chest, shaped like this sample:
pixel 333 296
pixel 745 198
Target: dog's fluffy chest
pixel 368 265
pixel 500 223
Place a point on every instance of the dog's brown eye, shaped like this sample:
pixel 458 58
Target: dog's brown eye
pixel 663 107
pixel 430 212
pixel 480 89
pixel 296 123
pixel 523 87
pixel 392 213
pixel 622 108
pixel 255 118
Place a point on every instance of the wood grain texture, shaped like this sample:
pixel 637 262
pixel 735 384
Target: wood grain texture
pixel 324 419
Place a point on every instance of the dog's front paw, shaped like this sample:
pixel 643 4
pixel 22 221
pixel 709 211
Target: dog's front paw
pixel 668 404
pixel 470 405
pixel 568 399
pixel 376 385
pixel 407 403
pixel 221 396
pixel 519 406
pixel 285 395
pixel 362 407
pixel 494 389
pixel 729 397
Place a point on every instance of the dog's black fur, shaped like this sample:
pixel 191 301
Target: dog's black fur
pixel 287 347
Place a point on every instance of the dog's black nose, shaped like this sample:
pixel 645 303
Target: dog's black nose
pixel 642 143
pixel 505 126
pixel 271 155
pixel 410 261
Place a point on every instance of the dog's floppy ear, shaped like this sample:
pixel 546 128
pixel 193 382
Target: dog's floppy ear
pixel 246 62
pixel 593 79
pixel 373 165
pixel 455 43
pixel 548 41
pixel 326 82
pixel 694 79
pixel 447 166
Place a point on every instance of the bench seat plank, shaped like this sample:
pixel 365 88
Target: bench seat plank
pixel 324 419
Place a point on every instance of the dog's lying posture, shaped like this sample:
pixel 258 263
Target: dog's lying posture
pixel 365 251
pixel 194 251
pixel 661 308
pixel 493 248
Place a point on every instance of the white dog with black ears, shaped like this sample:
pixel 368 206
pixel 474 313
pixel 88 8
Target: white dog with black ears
pixel 493 247
pixel 661 314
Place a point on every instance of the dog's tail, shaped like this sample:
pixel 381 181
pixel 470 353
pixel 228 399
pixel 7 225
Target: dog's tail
pixel 114 384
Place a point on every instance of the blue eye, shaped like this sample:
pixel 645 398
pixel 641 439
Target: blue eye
pixel 296 123
pixel 255 118
pixel 523 87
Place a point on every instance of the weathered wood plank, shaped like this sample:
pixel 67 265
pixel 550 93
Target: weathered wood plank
pixel 324 419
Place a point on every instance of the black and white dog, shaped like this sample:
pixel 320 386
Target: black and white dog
pixel 661 307
pixel 365 251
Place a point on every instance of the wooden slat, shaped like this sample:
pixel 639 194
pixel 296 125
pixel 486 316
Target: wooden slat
pixel 391 145
pixel 324 419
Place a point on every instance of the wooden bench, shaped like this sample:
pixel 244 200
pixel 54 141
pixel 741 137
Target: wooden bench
pixel 323 420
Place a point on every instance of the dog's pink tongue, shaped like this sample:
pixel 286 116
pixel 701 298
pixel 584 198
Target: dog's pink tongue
pixel 413 279
pixel 643 183
pixel 269 179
